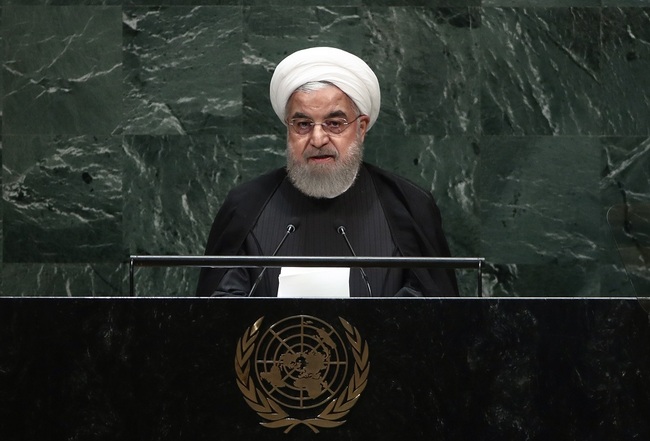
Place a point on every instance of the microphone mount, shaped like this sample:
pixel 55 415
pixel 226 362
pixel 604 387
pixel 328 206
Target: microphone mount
pixel 341 230
pixel 290 229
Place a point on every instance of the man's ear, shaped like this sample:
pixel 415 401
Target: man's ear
pixel 364 121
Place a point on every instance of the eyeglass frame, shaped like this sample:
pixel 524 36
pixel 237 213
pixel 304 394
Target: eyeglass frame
pixel 345 123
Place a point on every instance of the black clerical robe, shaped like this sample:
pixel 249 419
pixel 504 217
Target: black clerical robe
pixel 404 221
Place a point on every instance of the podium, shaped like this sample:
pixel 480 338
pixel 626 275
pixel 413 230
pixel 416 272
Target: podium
pixel 419 369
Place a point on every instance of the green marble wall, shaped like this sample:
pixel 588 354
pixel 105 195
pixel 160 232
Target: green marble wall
pixel 126 122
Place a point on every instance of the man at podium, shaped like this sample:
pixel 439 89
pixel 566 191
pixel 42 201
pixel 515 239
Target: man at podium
pixel 327 201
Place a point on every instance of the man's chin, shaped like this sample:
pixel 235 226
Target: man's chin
pixel 322 180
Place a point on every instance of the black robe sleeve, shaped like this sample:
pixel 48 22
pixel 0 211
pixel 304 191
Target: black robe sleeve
pixel 234 221
pixel 416 227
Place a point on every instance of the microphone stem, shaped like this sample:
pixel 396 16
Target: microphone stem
pixel 341 231
pixel 290 229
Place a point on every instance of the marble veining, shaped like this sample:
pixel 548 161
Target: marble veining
pixel 42 226
pixel 62 70
pixel 126 123
pixel 542 71
pixel 182 70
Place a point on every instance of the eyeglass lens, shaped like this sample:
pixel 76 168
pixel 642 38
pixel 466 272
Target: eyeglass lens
pixel 335 126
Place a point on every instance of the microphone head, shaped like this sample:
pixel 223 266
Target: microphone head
pixel 293 224
pixel 340 227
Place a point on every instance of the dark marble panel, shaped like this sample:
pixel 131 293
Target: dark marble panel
pixel 125 2
pixel 302 3
pixel 541 71
pixel 539 199
pixel 454 369
pixel 173 187
pixel 1 214
pixel 626 3
pixel 272 33
pixel 625 172
pixel 626 63
pixel 427 3
pixel 62 69
pixel 260 154
pixel 182 70
pixel 62 2
pixel 63 280
pixel 625 195
pixel 370 3
pixel 616 281
pixel 541 3
pixel 419 95
pixel 181 2
pixel 163 282
pixel 62 199
pixel 625 260
pixel 425 59
pixel 2 94
pixel 1 125
pixel 554 279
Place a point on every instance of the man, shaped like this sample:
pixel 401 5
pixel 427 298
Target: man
pixel 326 196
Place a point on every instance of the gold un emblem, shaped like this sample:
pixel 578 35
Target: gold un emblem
pixel 301 371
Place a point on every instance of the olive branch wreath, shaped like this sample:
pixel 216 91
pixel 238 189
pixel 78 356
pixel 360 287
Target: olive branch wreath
pixel 273 413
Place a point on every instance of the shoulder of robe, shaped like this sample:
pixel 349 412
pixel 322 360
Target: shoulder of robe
pixel 259 185
pixel 408 187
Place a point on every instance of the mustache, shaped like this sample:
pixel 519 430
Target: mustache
pixel 312 152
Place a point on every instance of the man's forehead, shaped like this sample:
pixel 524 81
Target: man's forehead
pixel 332 114
pixel 328 102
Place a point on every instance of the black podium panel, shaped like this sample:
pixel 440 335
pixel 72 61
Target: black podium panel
pixel 426 369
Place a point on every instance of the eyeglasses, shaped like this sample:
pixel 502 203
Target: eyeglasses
pixel 333 126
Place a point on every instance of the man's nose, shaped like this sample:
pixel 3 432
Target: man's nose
pixel 319 137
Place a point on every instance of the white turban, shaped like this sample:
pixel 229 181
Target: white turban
pixel 346 71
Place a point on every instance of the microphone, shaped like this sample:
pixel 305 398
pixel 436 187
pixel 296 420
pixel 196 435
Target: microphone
pixel 291 227
pixel 341 230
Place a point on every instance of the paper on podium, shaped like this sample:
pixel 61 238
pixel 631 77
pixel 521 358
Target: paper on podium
pixel 314 282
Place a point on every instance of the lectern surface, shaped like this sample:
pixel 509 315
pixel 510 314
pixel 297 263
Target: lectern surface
pixel 353 369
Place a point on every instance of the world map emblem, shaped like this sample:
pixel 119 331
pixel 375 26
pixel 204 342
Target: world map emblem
pixel 302 371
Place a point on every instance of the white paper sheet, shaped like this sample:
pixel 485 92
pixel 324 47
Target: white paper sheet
pixel 314 282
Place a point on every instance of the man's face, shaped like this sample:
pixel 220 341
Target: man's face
pixel 319 148
pixel 320 159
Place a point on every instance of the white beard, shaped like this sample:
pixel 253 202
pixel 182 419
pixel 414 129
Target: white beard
pixel 325 180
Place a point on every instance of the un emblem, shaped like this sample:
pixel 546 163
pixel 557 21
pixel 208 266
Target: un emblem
pixel 301 371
